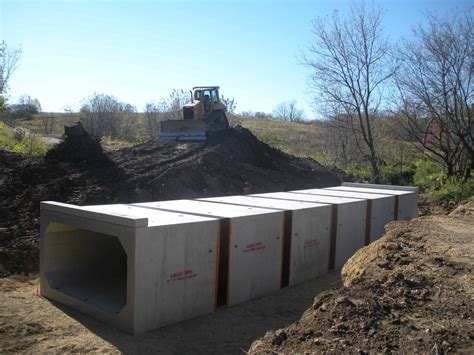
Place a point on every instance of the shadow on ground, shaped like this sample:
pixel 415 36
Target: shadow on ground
pixel 229 331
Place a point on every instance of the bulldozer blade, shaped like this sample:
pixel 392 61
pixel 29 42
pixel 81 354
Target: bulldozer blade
pixel 183 130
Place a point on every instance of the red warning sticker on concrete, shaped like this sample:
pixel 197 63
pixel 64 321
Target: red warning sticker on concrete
pixel 310 243
pixel 254 247
pixel 181 275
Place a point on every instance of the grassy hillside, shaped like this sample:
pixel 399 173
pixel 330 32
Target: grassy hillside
pixel 21 141
pixel 299 139
pixel 58 121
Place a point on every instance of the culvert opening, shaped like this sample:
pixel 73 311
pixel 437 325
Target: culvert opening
pixel 86 265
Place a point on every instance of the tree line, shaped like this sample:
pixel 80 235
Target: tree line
pixel 423 83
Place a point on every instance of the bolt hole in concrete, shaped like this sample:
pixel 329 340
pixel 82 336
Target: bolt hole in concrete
pixel 86 265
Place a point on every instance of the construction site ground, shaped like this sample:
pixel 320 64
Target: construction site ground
pixel 411 291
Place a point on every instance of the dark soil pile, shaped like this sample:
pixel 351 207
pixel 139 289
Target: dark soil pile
pixel 409 292
pixel 78 146
pixel 233 162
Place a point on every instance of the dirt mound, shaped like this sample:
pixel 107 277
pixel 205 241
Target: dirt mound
pixel 466 209
pixel 411 291
pixel 232 162
pixel 78 146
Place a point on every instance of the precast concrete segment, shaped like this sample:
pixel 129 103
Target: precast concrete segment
pixel 348 223
pixel 406 198
pixel 136 279
pixel 306 234
pixel 380 209
pixel 255 245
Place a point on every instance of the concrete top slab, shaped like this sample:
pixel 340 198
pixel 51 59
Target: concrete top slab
pixel 337 193
pixel 308 198
pixel 118 218
pixel 203 208
pixel 370 190
pixel 155 217
pixel 380 186
pixel 264 202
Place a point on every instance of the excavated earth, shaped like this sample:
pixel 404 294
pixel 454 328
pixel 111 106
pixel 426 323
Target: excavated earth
pixel 234 162
pixel 412 291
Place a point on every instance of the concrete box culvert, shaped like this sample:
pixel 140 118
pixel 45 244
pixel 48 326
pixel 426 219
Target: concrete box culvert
pixel 305 243
pixel 143 266
pixel 406 197
pixel 348 223
pixel 380 209
pixel 86 265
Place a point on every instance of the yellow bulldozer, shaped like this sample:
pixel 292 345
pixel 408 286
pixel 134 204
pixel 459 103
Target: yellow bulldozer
pixel 203 115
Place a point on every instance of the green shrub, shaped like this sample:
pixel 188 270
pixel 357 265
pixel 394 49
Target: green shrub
pixel 454 190
pixel 360 172
pixel 394 176
pixel 432 178
pixel 429 176
pixel 27 143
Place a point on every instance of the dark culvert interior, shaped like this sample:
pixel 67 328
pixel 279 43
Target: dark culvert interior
pixel 86 265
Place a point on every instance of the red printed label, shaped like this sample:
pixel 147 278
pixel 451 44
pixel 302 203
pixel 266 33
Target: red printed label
pixel 181 275
pixel 254 247
pixel 309 243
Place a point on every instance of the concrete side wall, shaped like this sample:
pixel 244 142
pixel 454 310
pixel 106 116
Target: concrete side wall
pixel 408 206
pixel 380 208
pixel 350 237
pixel 406 202
pixel 348 228
pixel 309 244
pixel 176 273
pixel 255 256
pixel 308 231
pixel 381 214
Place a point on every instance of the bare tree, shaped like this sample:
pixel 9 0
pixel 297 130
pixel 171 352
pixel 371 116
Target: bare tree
pixel 25 107
pixel 349 68
pixel 229 103
pixel 153 115
pixel 287 111
pixel 49 122
pixel 129 121
pixel 8 62
pixel 176 100
pixel 435 91
pixel 98 114
pixel 103 115
pixel 339 143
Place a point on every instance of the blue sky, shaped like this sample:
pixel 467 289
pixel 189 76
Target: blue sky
pixel 140 50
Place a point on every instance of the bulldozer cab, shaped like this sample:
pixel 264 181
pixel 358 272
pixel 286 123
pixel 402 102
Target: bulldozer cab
pixel 208 95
